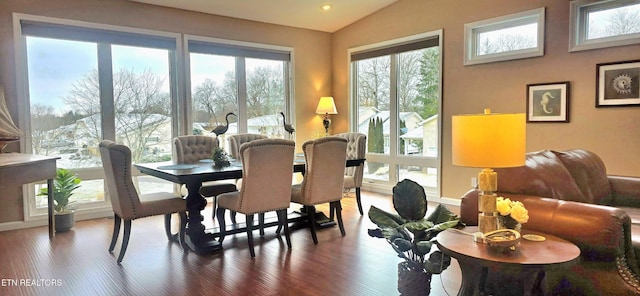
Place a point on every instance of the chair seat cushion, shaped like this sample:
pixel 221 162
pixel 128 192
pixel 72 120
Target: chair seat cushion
pixel 159 203
pixel 214 188
pixel 229 201
pixel 296 194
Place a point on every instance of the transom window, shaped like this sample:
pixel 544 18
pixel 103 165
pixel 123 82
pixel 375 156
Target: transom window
pixel 510 37
pixel 598 24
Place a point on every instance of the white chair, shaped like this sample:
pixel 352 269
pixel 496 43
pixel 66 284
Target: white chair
pixel 323 181
pixel 193 148
pixel 267 169
pixel 127 205
pixel 356 149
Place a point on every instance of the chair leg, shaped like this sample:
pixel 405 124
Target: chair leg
pixel 214 206
pixel 116 231
pixel 232 214
pixel 183 230
pixel 249 219
pixel 359 200
pixel 261 223
pixel 221 224
pixel 125 239
pixel 337 207
pixel 311 217
pixel 282 222
pixel 167 229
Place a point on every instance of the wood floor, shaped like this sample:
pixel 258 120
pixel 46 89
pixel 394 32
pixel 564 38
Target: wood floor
pixel 78 263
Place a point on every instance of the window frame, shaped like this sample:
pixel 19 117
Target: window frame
pixel 578 29
pixel 472 30
pixel 243 51
pixel 393 159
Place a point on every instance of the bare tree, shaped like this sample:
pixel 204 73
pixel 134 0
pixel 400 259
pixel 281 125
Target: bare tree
pixel 373 82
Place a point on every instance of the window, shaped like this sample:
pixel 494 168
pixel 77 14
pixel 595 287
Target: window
pixel 599 24
pixel 396 98
pixel 89 82
pixel 510 37
pixel 250 80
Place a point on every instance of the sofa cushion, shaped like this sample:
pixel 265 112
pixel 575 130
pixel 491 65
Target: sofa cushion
pixel 589 174
pixel 543 175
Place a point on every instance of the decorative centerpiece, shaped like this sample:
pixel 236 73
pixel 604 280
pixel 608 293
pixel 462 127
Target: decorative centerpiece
pixel 512 214
pixel 220 158
pixel 412 235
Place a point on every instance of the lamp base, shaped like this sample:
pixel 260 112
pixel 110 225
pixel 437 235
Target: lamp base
pixel 487 222
pixel 326 122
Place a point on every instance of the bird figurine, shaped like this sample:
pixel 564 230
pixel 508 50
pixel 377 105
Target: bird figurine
pixel 221 129
pixel 287 127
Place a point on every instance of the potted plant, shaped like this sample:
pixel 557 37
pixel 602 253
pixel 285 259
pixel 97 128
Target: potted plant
pixel 412 236
pixel 65 183
pixel 220 158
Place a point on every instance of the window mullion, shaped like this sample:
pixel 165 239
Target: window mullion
pixel 107 101
pixel 241 80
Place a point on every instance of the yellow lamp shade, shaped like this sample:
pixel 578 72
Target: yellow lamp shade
pixel 326 106
pixel 489 140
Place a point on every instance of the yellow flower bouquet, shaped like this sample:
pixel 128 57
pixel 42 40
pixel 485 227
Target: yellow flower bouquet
pixel 512 212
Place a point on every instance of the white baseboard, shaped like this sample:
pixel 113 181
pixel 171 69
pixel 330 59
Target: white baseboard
pixel 41 220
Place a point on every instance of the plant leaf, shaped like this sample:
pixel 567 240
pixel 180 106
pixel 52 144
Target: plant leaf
pixel 402 244
pixel 418 225
pixel 441 214
pixel 409 200
pixel 423 248
pixel 437 262
pixel 384 219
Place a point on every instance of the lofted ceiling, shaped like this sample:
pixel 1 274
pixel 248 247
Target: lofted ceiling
pixel 307 14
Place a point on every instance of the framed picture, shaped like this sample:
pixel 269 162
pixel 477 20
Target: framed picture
pixel 617 84
pixel 548 102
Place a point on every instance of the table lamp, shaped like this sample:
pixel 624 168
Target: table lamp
pixel 488 141
pixel 326 106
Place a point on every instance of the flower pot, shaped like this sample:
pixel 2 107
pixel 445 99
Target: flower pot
pixel 413 280
pixel 64 221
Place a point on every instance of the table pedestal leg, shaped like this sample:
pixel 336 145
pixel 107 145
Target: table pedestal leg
pixel 474 277
pixel 197 240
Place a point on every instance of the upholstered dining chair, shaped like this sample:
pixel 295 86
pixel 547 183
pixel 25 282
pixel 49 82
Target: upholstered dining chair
pixel 267 170
pixel 128 205
pixel 235 141
pixel 356 149
pixel 323 179
pixel 193 148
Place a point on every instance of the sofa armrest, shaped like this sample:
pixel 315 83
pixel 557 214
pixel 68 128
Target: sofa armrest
pixel 601 232
pixel 625 190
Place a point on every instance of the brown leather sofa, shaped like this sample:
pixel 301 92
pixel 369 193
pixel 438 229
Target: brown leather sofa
pixel 569 195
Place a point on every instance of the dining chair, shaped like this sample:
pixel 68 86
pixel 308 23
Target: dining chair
pixel 356 149
pixel 323 179
pixel 191 149
pixel 235 141
pixel 128 205
pixel 267 170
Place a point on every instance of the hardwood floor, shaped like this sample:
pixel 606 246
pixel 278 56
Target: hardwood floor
pixel 78 263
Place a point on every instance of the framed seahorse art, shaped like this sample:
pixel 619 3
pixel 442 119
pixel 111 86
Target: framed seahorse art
pixel 548 102
pixel 617 84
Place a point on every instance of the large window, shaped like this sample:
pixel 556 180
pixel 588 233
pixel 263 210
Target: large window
pixel 250 80
pixel 598 24
pixel 396 98
pixel 87 83
pixel 510 37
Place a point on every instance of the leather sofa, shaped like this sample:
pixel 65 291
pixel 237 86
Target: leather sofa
pixel 569 194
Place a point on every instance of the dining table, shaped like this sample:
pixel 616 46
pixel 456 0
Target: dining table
pixel 192 176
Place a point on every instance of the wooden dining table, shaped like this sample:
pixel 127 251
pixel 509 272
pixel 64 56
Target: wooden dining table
pixel 192 176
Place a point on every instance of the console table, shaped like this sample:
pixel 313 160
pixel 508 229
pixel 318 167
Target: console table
pixel 17 169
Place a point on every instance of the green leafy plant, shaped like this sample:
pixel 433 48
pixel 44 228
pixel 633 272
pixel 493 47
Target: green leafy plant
pixel 409 232
pixel 65 183
pixel 220 158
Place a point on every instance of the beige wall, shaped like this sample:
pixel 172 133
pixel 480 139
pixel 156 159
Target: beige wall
pixel 312 55
pixel 612 133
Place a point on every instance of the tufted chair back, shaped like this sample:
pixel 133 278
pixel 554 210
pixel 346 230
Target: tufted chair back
pixel 324 170
pixel 193 148
pixel 116 160
pixel 235 141
pixel 356 149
